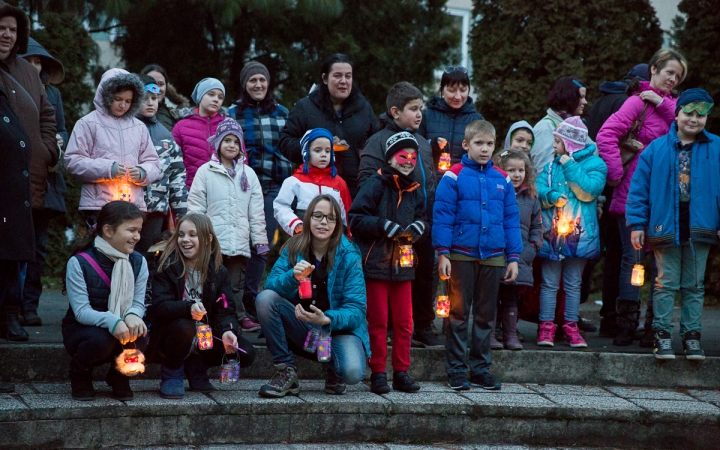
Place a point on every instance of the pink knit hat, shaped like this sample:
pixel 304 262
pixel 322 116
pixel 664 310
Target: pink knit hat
pixel 573 133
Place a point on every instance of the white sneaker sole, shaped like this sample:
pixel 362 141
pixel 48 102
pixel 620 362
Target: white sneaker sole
pixel 577 345
pixel 546 344
pixel 664 356
pixel 695 357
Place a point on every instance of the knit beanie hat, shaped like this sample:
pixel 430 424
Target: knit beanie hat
pixel 399 141
pixel 640 71
pixel 573 133
pixel 693 95
pixel 253 68
pixel 205 85
pixel 307 139
pixel 225 128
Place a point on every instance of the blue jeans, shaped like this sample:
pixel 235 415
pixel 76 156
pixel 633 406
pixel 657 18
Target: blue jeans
pixel 571 270
pixel 256 264
pixel 280 326
pixel 680 268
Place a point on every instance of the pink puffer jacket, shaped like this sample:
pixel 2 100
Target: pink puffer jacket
pixel 192 134
pixel 657 123
pixel 99 140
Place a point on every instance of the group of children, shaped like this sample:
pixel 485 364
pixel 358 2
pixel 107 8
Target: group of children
pixel 490 216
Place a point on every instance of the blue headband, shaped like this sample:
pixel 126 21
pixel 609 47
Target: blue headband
pixel 308 138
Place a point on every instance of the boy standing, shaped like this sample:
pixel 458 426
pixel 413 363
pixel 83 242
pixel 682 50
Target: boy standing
pixel 476 226
pixel 404 113
pixel 678 215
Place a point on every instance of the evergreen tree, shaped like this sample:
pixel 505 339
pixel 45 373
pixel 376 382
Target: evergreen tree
pixel 520 48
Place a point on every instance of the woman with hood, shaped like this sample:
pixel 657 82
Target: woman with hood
pixel 110 150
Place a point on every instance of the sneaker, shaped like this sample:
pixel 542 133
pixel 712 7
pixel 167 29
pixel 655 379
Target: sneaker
pixel 334 384
pixel 691 344
pixel 247 324
pixel 403 382
pixel 379 384
pixel 572 335
pixel 663 345
pixel 485 380
pixel 458 382
pixel 546 334
pixel 586 326
pixel 284 381
pixel 425 338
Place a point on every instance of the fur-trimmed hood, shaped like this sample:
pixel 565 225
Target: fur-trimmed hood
pixel 23 32
pixel 114 81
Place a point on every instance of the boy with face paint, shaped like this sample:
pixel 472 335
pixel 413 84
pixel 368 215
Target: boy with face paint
pixel 387 218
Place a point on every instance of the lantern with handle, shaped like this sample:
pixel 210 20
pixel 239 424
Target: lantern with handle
pixel 229 370
pixel 443 301
pixel 638 272
pixel 130 362
pixel 407 256
pixel 204 336
pixel 324 349
pixel 445 161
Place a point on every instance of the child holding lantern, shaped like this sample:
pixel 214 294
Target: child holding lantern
pixel 387 218
pixel 192 289
pixel 110 150
pixel 568 188
pixel 673 203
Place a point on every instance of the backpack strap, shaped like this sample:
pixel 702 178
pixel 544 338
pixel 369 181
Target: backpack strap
pixel 96 266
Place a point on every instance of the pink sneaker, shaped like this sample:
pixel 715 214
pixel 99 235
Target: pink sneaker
pixel 572 335
pixel 248 325
pixel 546 334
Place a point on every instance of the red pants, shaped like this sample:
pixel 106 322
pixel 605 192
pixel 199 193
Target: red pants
pixel 398 296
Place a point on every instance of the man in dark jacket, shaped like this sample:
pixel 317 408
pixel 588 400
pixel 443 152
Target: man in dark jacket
pixel 27 98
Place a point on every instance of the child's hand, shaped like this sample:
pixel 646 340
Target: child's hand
pixel 197 310
pixel 229 342
pixel 637 237
pixel 136 174
pixel 315 317
pixel 392 230
pixel 564 159
pixel 444 267
pixel 511 273
pixel 136 327
pixel 415 231
pixel 120 171
pixel 298 229
pixel 562 201
pixel 437 145
pixel 122 333
pixel 302 269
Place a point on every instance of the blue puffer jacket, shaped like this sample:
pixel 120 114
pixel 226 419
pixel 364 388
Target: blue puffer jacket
pixel 346 289
pixel 581 180
pixel 654 196
pixel 476 213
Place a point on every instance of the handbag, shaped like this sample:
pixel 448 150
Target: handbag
pixel 629 144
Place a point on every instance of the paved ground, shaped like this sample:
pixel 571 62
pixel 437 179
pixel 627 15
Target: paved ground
pixel 353 446
pixel 53 306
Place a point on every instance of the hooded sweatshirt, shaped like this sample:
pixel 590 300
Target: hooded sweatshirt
pixel 516 126
pixel 100 141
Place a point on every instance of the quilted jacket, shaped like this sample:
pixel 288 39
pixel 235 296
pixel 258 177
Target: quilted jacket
pixel 191 134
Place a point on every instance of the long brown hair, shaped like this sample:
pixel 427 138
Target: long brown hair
pixel 302 243
pixel 504 156
pixel 209 248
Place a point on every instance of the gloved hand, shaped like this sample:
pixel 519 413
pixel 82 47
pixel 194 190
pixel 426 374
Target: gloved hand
pixel 392 230
pixel 438 144
pixel 415 230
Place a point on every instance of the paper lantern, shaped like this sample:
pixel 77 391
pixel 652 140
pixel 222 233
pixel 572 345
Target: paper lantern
pixel 443 306
pixel 445 162
pixel 124 192
pixel 407 256
pixel 204 336
pixel 638 275
pixel 305 288
pixel 130 362
pixel 312 341
pixel 324 347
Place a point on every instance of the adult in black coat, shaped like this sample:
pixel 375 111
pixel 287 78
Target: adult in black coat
pixel 17 240
pixel 339 107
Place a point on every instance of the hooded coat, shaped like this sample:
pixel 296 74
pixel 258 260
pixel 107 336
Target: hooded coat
pixel 612 96
pixel 191 134
pixel 531 230
pixel 516 126
pixel 100 140
pixel 27 98
pixel 657 123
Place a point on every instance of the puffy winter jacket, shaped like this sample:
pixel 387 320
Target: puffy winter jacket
pixel 581 180
pixel 345 286
pixel 612 97
pixel 236 215
pixel 355 123
pixel 657 123
pixel 99 140
pixel 373 158
pixel 476 213
pixel 653 202
pixel 388 195
pixel 531 230
pixel 542 152
pixel 191 134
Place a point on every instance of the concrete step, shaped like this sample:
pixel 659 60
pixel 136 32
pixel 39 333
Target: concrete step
pixel 49 362
pixel 42 415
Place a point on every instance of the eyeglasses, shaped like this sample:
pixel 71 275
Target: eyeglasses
pixel 702 108
pixel 152 88
pixel 317 215
pixel 451 69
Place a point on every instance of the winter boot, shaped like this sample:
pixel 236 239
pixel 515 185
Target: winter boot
pixel 403 382
pixel 628 316
pixel 494 343
pixel 379 384
pixel 509 325
pixel 81 382
pixel 11 329
pixel 119 383
pixel 196 373
pixel 171 382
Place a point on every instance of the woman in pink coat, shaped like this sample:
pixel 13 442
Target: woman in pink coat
pixel 668 69
pixel 199 124
pixel 110 150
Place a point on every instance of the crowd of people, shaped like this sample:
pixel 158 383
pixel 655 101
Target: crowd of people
pixel 184 203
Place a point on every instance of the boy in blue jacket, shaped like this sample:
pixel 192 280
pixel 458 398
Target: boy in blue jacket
pixel 675 196
pixel 476 227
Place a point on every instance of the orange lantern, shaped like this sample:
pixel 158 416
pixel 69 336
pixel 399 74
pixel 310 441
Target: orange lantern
pixel 204 336
pixel 445 161
pixel 124 191
pixel 130 362
pixel 564 225
pixel 442 308
pixel 638 275
pixel 407 256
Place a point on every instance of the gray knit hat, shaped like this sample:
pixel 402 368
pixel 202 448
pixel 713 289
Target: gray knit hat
pixel 253 68
pixel 205 85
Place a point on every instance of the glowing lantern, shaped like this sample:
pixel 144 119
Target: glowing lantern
pixel 305 288
pixel 312 341
pixel 564 225
pixel 407 256
pixel 324 347
pixel 442 308
pixel 230 372
pixel 130 362
pixel 204 336
pixel 123 191
pixel 444 162
pixel 638 275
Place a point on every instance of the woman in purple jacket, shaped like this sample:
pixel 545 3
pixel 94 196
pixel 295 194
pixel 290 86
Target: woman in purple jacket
pixel 668 68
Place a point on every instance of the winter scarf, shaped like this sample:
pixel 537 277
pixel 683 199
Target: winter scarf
pixel 122 281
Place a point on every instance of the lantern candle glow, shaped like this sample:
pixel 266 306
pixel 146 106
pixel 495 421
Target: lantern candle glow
pixel 443 306
pixel 204 336
pixel 638 275
pixel 230 372
pixel 407 256
pixel 130 362
pixel 305 288
pixel 324 349
pixel 444 162
pixel 564 226
pixel 124 191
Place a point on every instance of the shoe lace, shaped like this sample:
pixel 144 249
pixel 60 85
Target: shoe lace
pixel 666 344
pixel 693 345
pixel 280 378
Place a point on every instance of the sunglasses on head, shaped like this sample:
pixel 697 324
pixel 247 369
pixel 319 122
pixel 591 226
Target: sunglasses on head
pixel 702 108
pixel 451 69
pixel 152 88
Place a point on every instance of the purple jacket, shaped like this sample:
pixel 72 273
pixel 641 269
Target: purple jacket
pixel 191 134
pixel 657 123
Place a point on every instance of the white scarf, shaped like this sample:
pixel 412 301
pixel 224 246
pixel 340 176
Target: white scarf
pixel 122 281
